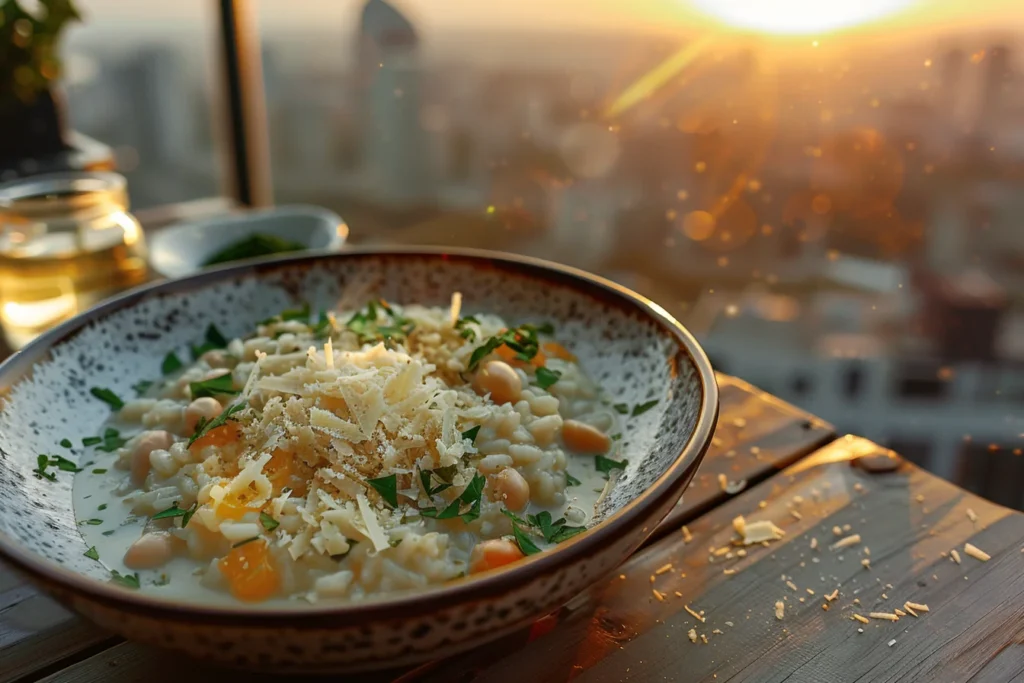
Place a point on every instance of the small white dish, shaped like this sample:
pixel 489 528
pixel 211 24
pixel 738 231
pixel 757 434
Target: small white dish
pixel 183 249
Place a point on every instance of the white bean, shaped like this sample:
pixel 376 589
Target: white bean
pixel 147 443
pixel 206 408
pixel 511 488
pixel 498 379
pixel 150 551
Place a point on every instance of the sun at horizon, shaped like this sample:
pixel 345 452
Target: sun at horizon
pixel 798 17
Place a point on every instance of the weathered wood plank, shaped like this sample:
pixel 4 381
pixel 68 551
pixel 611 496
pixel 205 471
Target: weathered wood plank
pixel 757 435
pixel 621 631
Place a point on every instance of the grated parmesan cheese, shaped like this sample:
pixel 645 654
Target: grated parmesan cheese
pixel 976 553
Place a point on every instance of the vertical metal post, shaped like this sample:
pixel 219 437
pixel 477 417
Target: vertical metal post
pixel 245 103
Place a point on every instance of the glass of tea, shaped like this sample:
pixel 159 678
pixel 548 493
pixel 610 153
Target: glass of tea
pixel 67 241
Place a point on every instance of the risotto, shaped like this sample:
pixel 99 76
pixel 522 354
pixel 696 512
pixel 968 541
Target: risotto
pixel 348 455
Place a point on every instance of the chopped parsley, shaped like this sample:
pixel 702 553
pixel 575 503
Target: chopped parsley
pixel 523 340
pixel 243 542
pixel 606 465
pixel 142 387
pixel 387 487
pixel 66 443
pixel 108 397
pixel 175 511
pixel 223 384
pixel 616 437
pixel 642 408
pixel 92 522
pixel 545 377
pixel 42 462
pixel 109 532
pixel 523 541
pixel 171 363
pixel 162 580
pixel 471 433
pixel 300 314
pixel 102 507
pixel 268 522
pixel 100 470
pixel 571 480
pixel 108 443
pixel 442 474
pixel 553 531
pixel 253 246
pixel 621 408
pixel 213 340
pixel 126 580
pixel 63 464
pixel 470 496
pixel 205 426
pixel 324 326
pixel 367 327
pixel 92 553
pixel 467 333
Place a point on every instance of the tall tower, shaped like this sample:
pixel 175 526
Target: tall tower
pixel 394 151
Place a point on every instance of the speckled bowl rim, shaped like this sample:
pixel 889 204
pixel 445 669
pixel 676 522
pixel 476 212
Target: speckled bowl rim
pixel 20 365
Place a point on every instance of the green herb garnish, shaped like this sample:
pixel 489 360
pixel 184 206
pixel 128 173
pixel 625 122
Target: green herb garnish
pixel 387 487
pixel 42 462
pixel 571 480
pixel 142 387
pixel 92 522
pixel 109 533
pixel 171 363
pixel 367 327
pixel 206 426
pixel 212 340
pixel 324 326
pixel 102 507
pixel 175 511
pixel 100 470
pixel 553 531
pixel 253 246
pixel 268 522
pixel 471 433
pixel 470 496
pixel 545 377
pixel 223 384
pixel 621 408
pixel 126 580
pixel 523 541
pixel 300 314
pixel 66 443
pixel 109 442
pixel 248 540
pixel 642 408
pixel 63 464
pixel 606 465
pixel 92 553
pixel 443 474
pixel 108 397
pixel 616 437
pixel 467 333
pixel 91 441
pixel 163 580
pixel 523 340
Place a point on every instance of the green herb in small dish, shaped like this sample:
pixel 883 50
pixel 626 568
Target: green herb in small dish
pixel 253 246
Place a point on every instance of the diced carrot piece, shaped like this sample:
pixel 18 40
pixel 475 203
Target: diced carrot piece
pixel 506 354
pixel 279 469
pixel 510 356
pixel 558 351
pixel 234 506
pixel 250 571
pixel 493 554
pixel 218 436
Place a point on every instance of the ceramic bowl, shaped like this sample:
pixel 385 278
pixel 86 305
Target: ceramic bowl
pixel 633 347
pixel 182 249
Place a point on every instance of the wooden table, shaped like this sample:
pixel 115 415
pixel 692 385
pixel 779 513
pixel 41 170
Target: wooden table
pixel 817 488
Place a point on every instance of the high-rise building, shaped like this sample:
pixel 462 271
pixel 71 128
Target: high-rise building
pixel 394 161
pixel 994 80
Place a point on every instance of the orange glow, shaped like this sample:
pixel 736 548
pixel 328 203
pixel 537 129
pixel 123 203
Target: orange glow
pixel 798 17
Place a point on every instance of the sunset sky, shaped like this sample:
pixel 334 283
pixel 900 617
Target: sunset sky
pixel 576 14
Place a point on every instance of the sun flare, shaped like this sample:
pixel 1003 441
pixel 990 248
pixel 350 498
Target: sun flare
pixel 798 17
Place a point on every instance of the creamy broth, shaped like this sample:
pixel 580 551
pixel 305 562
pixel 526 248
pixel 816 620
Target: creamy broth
pixel 454 426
